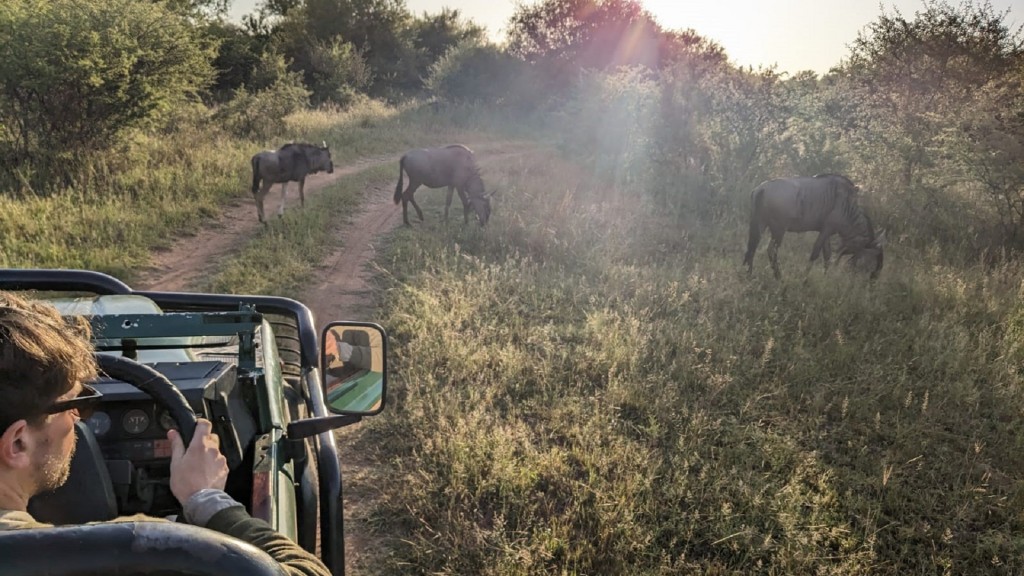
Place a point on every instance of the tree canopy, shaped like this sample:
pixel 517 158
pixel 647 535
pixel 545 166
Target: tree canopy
pixel 75 74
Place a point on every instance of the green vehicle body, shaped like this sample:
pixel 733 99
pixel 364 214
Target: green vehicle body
pixel 250 364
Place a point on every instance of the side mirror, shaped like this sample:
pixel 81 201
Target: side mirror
pixel 353 368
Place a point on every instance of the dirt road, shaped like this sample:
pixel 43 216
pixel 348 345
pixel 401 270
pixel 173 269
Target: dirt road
pixel 342 291
pixel 195 257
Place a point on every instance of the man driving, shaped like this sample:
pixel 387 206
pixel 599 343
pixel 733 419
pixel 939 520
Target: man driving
pixel 46 361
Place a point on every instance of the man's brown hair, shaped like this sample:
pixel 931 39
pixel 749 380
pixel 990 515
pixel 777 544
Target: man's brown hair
pixel 42 356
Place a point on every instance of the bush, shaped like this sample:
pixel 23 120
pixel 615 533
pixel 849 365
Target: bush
pixel 474 73
pixel 609 122
pixel 238 55
pixel 262 114
pixel 75 75
pixel 337 72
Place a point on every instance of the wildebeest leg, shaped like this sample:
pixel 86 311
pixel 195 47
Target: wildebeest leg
pixel 302 195
pixel 465 205
pixel 419 213
pixel 821 245
pixel 260 196
pixel 284 194
pixel 407 198
pixel 754 240
pixel 405 209
pixel 773 253
pixel 448 201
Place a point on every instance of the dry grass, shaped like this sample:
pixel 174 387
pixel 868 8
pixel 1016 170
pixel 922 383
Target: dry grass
pixel 585 388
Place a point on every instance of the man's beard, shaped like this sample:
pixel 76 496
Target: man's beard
pixel 54 471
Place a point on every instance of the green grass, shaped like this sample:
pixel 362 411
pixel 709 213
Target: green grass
pixel 588 388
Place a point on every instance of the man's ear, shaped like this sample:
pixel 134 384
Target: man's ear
pixel 15 444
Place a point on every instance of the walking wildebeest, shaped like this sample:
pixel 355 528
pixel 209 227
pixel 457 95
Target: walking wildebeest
pixel 289 163
pixel 825 203
pixel 452 166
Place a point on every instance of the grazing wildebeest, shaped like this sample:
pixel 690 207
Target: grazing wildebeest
pixel 826 203
pixel 452 166
pixel 289 163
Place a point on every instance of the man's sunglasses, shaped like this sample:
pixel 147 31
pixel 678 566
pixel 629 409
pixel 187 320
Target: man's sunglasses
pixel 85 403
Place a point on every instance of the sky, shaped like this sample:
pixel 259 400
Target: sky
pixel 792 35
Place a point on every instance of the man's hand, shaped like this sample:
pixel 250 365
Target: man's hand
pixel 201 466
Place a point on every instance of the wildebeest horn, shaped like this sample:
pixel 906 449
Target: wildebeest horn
pixel 324 144
pixel 493 192
pixel 880 239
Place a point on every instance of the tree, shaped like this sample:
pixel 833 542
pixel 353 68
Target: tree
pixel 477 72
pixel 991 150
pixel 689 49
pixel 76 74
pixel 336 73
pixel 435 34
pixel 586 33
pixel 911 78
pixel 379 30
pixel 198 8
pixel 238 54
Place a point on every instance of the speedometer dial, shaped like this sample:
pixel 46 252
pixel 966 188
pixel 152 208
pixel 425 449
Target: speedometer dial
pixel 166 422
pixel 99 423
pixel 135 421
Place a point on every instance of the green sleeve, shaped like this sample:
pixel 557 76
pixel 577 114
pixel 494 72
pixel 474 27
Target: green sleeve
pixel 236 522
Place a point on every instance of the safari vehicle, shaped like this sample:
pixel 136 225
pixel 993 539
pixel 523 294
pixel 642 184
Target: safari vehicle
pixel 252 365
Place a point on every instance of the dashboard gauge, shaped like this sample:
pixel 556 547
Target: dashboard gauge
pixel 135 421
pixel 166 422
pixel 99 423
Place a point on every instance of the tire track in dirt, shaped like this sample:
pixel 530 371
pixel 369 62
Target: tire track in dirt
pixel 191 258
pixel 343 291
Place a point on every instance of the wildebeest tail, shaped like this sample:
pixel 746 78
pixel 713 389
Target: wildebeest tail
pixel 398 188
pixel 754 237
pixel 255 173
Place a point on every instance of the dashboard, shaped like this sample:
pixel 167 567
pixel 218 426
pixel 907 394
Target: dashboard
pixel 131 428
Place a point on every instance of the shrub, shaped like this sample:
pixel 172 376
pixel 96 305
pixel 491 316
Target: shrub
pixel 337 72
pixel 475 73
pixel 75 75
pixel 262 114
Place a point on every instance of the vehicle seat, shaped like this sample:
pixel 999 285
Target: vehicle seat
pixel 87 496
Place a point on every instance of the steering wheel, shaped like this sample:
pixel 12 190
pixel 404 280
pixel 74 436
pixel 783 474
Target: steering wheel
pixel 159 388
pixel 87 497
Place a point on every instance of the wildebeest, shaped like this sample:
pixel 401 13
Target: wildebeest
pixel 289 163
pixel 453 166
pixel 826 203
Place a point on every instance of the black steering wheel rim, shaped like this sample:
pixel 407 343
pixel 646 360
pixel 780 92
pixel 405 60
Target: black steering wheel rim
pixel 159 388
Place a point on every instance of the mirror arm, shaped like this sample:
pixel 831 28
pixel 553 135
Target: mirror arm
pixel 313 426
